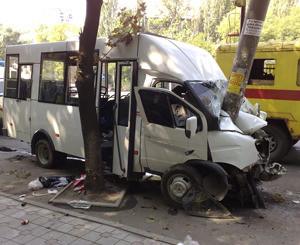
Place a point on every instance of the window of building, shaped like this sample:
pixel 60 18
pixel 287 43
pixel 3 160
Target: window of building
pixel 11 84
pixel 262 72
pixel 52 78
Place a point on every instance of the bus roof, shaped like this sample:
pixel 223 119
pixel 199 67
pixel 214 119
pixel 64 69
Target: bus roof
pixel 262 46
pixel 155 55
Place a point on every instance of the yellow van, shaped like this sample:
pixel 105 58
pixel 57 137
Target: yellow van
pixel 274 83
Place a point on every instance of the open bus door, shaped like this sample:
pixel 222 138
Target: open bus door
pixel 119 111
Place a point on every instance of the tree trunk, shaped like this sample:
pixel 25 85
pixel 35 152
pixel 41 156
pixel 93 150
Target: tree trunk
pixel 85 84
pixel 244 56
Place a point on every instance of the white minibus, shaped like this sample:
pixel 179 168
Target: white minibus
pixel 159 108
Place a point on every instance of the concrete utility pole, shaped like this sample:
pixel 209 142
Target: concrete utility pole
pixel 244 56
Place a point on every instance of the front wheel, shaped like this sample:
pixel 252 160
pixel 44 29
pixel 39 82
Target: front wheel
pixel 45 154
pixel 177 181
pixel 280 141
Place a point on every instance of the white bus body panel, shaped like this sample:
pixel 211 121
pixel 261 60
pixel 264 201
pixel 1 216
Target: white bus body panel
pixel 62 124
pixel 232 147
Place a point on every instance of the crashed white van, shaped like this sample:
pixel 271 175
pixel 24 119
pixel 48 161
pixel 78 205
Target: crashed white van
pixel 159 106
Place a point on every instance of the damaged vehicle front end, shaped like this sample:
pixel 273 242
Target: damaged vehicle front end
pixel 238 154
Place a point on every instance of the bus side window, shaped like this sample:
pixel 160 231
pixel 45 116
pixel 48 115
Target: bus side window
pixel 25 82
pixel 52 85
pixel 262 72
pixel 125 82
pixel 11 84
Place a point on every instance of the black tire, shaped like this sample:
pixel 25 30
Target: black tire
pixel 176 181
pixel 45 154
pixel 280 141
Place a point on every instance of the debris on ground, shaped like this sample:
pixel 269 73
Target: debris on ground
pixel 297 202
pixel 20 174
pixel 172 211
pixel 278 198
pixel 80 204
pixel 188 241
pixel 50 181
pixel 6 149
pixel 150 219
pixel 23 204
pixel 79 183
pixel 151 207
pixel 25 222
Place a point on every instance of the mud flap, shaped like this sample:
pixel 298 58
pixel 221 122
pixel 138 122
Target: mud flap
pixel 198 202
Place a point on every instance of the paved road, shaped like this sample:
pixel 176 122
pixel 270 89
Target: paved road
pixel 55 227
pixel 278 224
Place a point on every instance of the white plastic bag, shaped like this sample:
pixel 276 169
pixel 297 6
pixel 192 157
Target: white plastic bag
pixel 35 185
pixel 188 241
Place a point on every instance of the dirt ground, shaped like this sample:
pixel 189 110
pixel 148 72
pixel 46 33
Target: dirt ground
pixel 144 208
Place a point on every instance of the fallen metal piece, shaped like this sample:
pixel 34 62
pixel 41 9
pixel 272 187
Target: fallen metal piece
pixel 272 171
pixel 199 202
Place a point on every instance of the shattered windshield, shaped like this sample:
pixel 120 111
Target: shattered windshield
pixel 211 93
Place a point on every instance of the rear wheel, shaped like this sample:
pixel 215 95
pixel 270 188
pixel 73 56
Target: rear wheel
pixel 177 181
pixel 45 154
pixel 280 141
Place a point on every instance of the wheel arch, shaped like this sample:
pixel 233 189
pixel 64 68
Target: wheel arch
pixel 281 123
pixel 40 134
pixel 211 172
pixel 207 165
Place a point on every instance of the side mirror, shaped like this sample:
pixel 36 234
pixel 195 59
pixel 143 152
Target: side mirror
pixel 191 127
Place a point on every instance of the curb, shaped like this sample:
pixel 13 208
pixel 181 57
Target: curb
pixel 127 228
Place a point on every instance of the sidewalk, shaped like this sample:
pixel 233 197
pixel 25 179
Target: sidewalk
pixel 52 225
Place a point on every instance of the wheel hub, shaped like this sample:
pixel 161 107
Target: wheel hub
pixel 179 186
pixel 273 143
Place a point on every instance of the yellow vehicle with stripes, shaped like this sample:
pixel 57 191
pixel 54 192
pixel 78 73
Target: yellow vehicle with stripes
pixel 274 83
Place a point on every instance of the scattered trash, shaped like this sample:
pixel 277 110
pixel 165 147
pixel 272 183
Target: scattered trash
pixel 166 228
pixel 172 211
pixel 52 191
pixel 12 172
pixel 289 193
pixel 22 197
pixel 23 204
pixel 150 219
pixel 25 222
pixel 261 217
pixel 80 204
pixel 49 192
pixel 50 181
pixel 6 149
pixel 240 223
pixel 278 198
pixel 151 207
pixel 56 181
pixel 79 183
pixel 35 185
pixel 297 202
pixel 253 237
pixel 20 174
pixel 188 241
